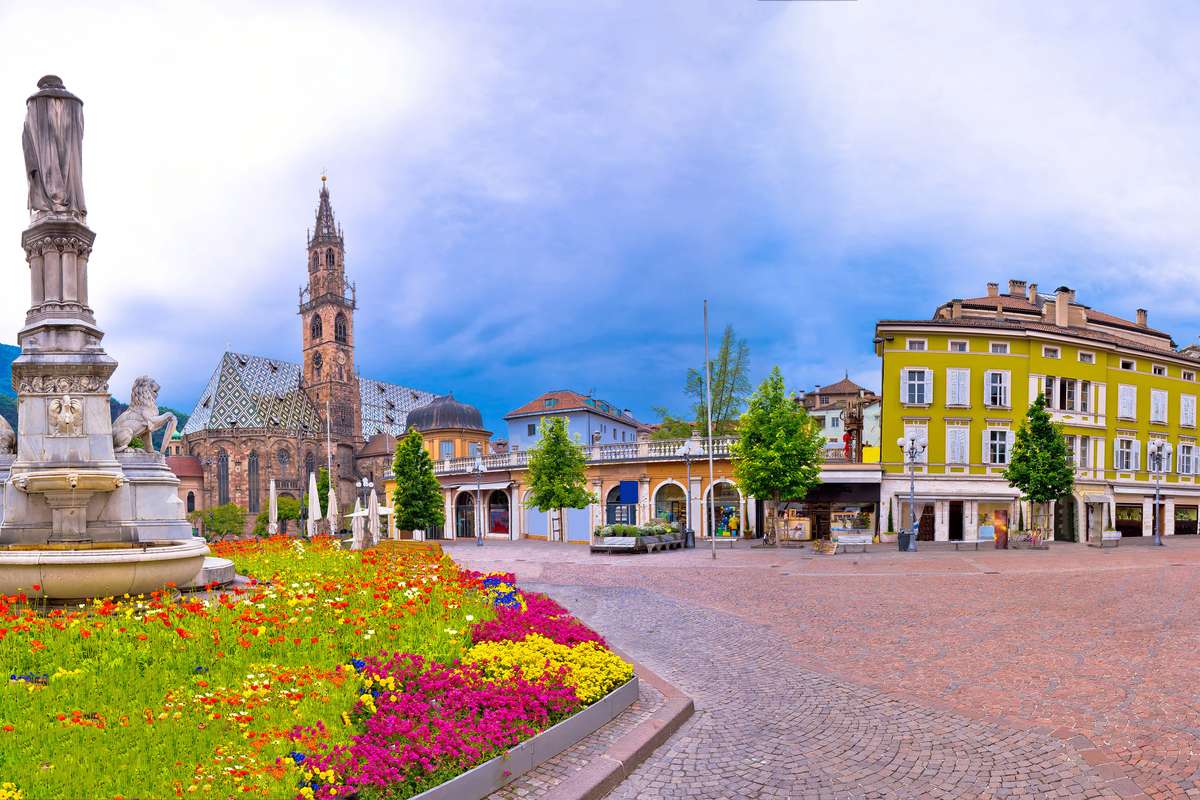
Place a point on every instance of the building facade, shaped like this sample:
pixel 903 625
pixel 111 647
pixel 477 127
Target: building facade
pixel 964 378
pixel 850 419
pixel 261 418
pixel 588 420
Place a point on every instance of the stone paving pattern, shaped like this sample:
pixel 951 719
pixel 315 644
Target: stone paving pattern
pixel 538 782
pixel 1068 673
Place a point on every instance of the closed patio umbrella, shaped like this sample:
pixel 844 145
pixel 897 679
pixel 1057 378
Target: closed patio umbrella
pixel 373 518
pixel 273 522
pixel 314 505
pixel 335 522
pixel 357 526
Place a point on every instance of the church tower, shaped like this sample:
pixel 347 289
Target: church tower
pixel 327 321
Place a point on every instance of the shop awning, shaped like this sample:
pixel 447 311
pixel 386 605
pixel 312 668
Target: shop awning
pixel 483 487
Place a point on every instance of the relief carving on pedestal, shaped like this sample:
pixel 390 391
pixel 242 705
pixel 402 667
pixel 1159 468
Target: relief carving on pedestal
pixel 62 384
pixel 66 416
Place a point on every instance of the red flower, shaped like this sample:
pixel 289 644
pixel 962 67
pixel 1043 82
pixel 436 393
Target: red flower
pixel 85 633
pixel 37 587
pixel 183 634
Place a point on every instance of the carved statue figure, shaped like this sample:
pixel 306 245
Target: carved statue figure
pixel 142 419
pixel 8 439
pixel 53 144
pixel 66 416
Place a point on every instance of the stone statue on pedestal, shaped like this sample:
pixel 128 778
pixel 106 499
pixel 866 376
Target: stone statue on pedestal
pixel 8 438
pixel 53 144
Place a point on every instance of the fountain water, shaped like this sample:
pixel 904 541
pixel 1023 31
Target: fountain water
pixel 83 513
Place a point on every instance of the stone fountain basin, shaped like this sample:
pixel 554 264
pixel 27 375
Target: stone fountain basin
pixel 73 571
pixel 67 480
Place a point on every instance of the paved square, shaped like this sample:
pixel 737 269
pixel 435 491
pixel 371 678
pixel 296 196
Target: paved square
pixel 1068 673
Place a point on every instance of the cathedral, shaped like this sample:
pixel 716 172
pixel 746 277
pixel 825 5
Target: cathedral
pixel 260 418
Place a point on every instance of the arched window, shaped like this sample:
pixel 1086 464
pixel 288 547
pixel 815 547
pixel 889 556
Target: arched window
pixel 726 506
pixel 252 481
pixel 618 510
pixel 498 512
pixel 222 477
pixel 329 258
pixel 316 261
pixel 464 515
pixel 340 329
pixel 314 327
pixel 191 502
pixel 670 506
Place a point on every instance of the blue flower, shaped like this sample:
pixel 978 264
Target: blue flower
pixel 297 757
pixel 492 582
pixel 198 669
pixel 358 664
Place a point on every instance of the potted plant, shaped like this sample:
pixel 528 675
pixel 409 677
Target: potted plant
pixel 889 536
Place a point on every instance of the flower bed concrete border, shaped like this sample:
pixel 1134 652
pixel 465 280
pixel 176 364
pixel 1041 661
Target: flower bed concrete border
pixel 479 782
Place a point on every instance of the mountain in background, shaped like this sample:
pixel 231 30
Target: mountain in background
pixel 8 395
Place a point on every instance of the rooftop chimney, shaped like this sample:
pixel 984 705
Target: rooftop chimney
pixel 1141 317
pixel 1062 305
pixel 1033 293
pixel 993 289
pixel 1016 289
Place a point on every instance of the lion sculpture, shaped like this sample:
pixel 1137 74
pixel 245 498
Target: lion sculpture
pixel 8 439
pixel 142 419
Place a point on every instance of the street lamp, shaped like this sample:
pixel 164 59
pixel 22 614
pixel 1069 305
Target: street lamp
pixel 912 447
pixel 689 450
pixel 477 468
pixel 1159 454
pixel 364 487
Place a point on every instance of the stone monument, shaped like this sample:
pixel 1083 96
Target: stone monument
pixel 75 493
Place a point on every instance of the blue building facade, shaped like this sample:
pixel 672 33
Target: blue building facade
pixel 589 420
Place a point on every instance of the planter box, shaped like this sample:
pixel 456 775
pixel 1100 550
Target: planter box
pixel 1014 544
pixel 636 544
pixel 477 783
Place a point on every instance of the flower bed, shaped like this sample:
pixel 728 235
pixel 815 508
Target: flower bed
pixel 335 673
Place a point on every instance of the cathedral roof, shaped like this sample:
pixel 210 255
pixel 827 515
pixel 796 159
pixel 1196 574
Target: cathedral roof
pixel 254 392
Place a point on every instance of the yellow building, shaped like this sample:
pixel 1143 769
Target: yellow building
pixel 963 379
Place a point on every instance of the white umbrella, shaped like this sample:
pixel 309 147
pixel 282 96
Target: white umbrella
pixel 314 505
pixel 273 524
pixel 357 520
pixel 334 519
pixel 373 518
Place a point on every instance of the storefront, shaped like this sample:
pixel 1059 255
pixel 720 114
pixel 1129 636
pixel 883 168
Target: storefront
pixel 498 512
pixel 1185 520
pixel 670 506
pixel 1129 519
pixel 831 510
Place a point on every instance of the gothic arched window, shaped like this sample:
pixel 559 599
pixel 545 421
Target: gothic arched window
pixel 316 261
pixel 252 481
pixel 222 477
pixel 314 327
pixel 329 259
pixel 191 502
pixel 340 330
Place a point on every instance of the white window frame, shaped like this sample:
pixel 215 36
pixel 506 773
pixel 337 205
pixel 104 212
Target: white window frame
pixel 1188 375
pixel 926 386
pixel 1122 390
pixel 1186 463
pixel 1006 385
pixel 958 387
pixel 1129 364
pixel 998 348
pixel 1083 452
pixel 1133 451
pixel 1159 402
pixel 924 345
pixel 989 443
pixel 1159 369
pixel 963 434
pixel 1049 351
pixel 1086 357
pixel 1187 410
pixel 966 346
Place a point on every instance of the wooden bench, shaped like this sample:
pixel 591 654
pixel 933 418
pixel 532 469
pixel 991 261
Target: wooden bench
pixel 858 540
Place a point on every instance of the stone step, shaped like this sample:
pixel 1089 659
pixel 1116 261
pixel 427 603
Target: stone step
pixel 218 570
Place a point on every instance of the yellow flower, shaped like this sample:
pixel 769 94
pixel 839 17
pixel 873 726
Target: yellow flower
pixel 591 670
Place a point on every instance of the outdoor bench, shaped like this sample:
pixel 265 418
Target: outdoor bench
pixel 853 540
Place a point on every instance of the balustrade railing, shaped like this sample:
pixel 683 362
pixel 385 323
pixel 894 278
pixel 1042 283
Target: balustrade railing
pixel 654 450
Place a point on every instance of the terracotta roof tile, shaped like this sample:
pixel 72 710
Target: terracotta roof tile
pixel 185 466
pixel 567 400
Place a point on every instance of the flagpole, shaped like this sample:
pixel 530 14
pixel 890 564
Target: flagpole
pixel 712 520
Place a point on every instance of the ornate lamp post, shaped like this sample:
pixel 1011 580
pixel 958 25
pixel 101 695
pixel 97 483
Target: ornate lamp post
pixel 364 487
pixel 1158 454
pixel 912 447
pixel 477 468
pixel 689 450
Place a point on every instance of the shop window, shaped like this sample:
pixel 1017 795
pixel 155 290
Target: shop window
pixel 725 503
pixel 670 506
pixel 464 516
pixel 498 512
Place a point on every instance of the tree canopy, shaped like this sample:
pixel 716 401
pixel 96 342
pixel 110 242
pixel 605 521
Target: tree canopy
pixel 557 470
pixel 778 452
pixel 417 498
pixel 288 507
pixel 1040 465
pixel 730 388
pixel 221 521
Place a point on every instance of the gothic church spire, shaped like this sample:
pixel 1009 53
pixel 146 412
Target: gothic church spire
pixel 326 230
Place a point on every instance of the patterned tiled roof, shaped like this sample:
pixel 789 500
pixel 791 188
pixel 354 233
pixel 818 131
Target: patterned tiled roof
pixel 254 392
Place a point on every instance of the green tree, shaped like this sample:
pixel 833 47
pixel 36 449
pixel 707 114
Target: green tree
pixel 289 509
pixel 778 453
pixel 730 388
pixel 322 492
pixel 221 521
pixel 1040 465
pixel 417 498
pixel 557 471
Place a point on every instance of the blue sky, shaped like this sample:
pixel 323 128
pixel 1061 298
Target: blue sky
pixel 540 195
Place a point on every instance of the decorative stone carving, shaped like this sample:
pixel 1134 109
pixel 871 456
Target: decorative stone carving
pixel 8 438
pixel 66 416
pixel 62 384
pixel 142 419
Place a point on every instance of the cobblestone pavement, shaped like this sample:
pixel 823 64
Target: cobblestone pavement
pixel 1069 673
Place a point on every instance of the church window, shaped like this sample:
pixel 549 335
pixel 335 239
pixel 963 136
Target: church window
pixel 283 457
pixel 316 261
pixel 191 502
pixel 252 480
pixel 340 329
pixel 222 477
pixel 329 258
pixel 314 327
